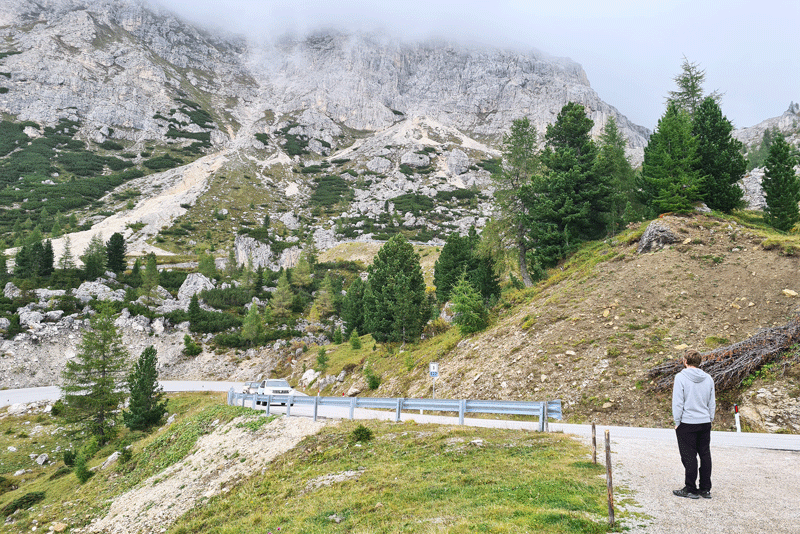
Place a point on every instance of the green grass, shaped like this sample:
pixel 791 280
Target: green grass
pixel 416 478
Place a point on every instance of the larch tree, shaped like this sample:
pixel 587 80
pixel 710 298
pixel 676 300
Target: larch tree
pixel 520 161
pixel 92 382
pixel 689 94
pixel 94 258
pixel 281 302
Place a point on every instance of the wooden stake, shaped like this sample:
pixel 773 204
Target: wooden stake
pixel 594 445
pixel 609 484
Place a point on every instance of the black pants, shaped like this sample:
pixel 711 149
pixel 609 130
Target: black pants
pixel 695 440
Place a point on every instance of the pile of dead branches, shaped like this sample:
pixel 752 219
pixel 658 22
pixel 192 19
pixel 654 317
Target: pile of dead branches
pixel 730 365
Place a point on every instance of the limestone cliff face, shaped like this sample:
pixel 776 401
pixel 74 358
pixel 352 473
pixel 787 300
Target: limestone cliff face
pixel 118 63
pixel 367 83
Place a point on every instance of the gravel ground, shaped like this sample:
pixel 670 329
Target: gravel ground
pixel 754 490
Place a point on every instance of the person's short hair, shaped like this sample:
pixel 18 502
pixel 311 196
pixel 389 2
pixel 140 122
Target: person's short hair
pixel 692 358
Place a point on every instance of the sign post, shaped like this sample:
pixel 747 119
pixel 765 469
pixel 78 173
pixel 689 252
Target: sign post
pixel 434 372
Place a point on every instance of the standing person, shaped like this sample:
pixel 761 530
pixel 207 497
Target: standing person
pixel 693 406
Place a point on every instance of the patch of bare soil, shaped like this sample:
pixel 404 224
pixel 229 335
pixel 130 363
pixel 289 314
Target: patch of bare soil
pixel 590 338
pixel 220 460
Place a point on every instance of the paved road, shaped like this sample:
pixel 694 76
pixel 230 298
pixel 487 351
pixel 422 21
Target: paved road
pixel 719 439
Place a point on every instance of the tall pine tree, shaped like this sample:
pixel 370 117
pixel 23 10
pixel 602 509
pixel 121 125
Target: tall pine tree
pixel 353 307
pixel 146 407
pixel 612 162
pixel 115 253
pixel 781 186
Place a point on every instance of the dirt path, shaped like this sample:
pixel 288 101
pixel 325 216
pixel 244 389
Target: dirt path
pixel 754 490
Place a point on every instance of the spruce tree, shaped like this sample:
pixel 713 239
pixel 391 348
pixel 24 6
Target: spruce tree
pixel 353 306
pixel 396 308
pixel 781 186
pixel 115 253
pixel 146 407
pixel 94 259
pixel 670 179
pixel 720 162
pixel 92 381
pixel 612 162
pixel 461 255
pixel 470 313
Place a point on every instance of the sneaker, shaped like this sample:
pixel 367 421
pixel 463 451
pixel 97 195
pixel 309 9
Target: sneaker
pixel 705 494
pixel 683 492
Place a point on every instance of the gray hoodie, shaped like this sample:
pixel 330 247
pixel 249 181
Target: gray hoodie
pixel 693 397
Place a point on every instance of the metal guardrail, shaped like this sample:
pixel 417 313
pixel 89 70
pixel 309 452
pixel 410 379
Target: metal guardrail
pixel 550 409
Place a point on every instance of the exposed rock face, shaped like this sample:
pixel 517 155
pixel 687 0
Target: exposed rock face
pixel 194 283
pixel 656 237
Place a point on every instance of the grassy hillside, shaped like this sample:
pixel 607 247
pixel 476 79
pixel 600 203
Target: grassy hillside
pixel 589 333
pixel 346 477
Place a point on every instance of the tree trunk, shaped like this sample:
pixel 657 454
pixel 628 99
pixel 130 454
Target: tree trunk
pixel 523 262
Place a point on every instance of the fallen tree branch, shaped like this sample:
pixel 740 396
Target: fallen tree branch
pixel 730 365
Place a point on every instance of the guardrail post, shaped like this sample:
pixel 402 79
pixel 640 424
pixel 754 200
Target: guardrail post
pixel 230 392
pixel 352 407
pixel 289 406
pixel 541 418
pixel 399 407
pixel 244 398
pixel 546 426
pixel 316 404
pixel 462 407
pixel 255 399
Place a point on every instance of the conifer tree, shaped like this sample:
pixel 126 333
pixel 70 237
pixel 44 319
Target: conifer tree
pixel 66 261
pixel 670 179
pixel 253 325
pixel 570 204
pixel 519 164
pixel 720 161
pixel 206 265
pixel 353 306
pixel 396 308
pixel 92 381
pixel 150 278
pixel 115 253
pixel 324 301
pixel 146 407
pixel 612 162
pixel 281 302
pixel 781 186
pixel 689 95
pixel 94 258
pixel 301 273
pixel 470 313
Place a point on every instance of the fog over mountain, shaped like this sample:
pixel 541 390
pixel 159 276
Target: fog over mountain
pixel 629 50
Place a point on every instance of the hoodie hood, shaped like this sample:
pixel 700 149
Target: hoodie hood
pixel 694 374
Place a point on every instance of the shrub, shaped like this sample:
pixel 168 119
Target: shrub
pixel 21 503
pixel 81 471
pixel 373 380
pixel 355 341
pixel 69 458
pixel 360 433
pixel 190 348
pixel 58 408
pixel 6 485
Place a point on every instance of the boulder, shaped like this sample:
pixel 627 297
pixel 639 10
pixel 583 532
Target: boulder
pixel 379 165
pixel 308 377
pixel 412 159
pixel 11 291
pixel 457 162
pixel 194 284
pixel 42 459
pixel 4 323
pixel 53 316
pixel 656 237
pixel 29 318
pixel 110 460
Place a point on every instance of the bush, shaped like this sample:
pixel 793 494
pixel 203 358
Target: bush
pixel 58 408
pixel 81 471
pixel 69 458
pixel 360 433
pixel 190 348
pixel 355 341
pixel 373 380
pixel 6 485
pixel 22 503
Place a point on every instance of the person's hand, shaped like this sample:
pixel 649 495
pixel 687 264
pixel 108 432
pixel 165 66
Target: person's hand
pixel 676 427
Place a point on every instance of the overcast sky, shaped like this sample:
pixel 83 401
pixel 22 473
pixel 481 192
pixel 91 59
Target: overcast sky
pixel 630 49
